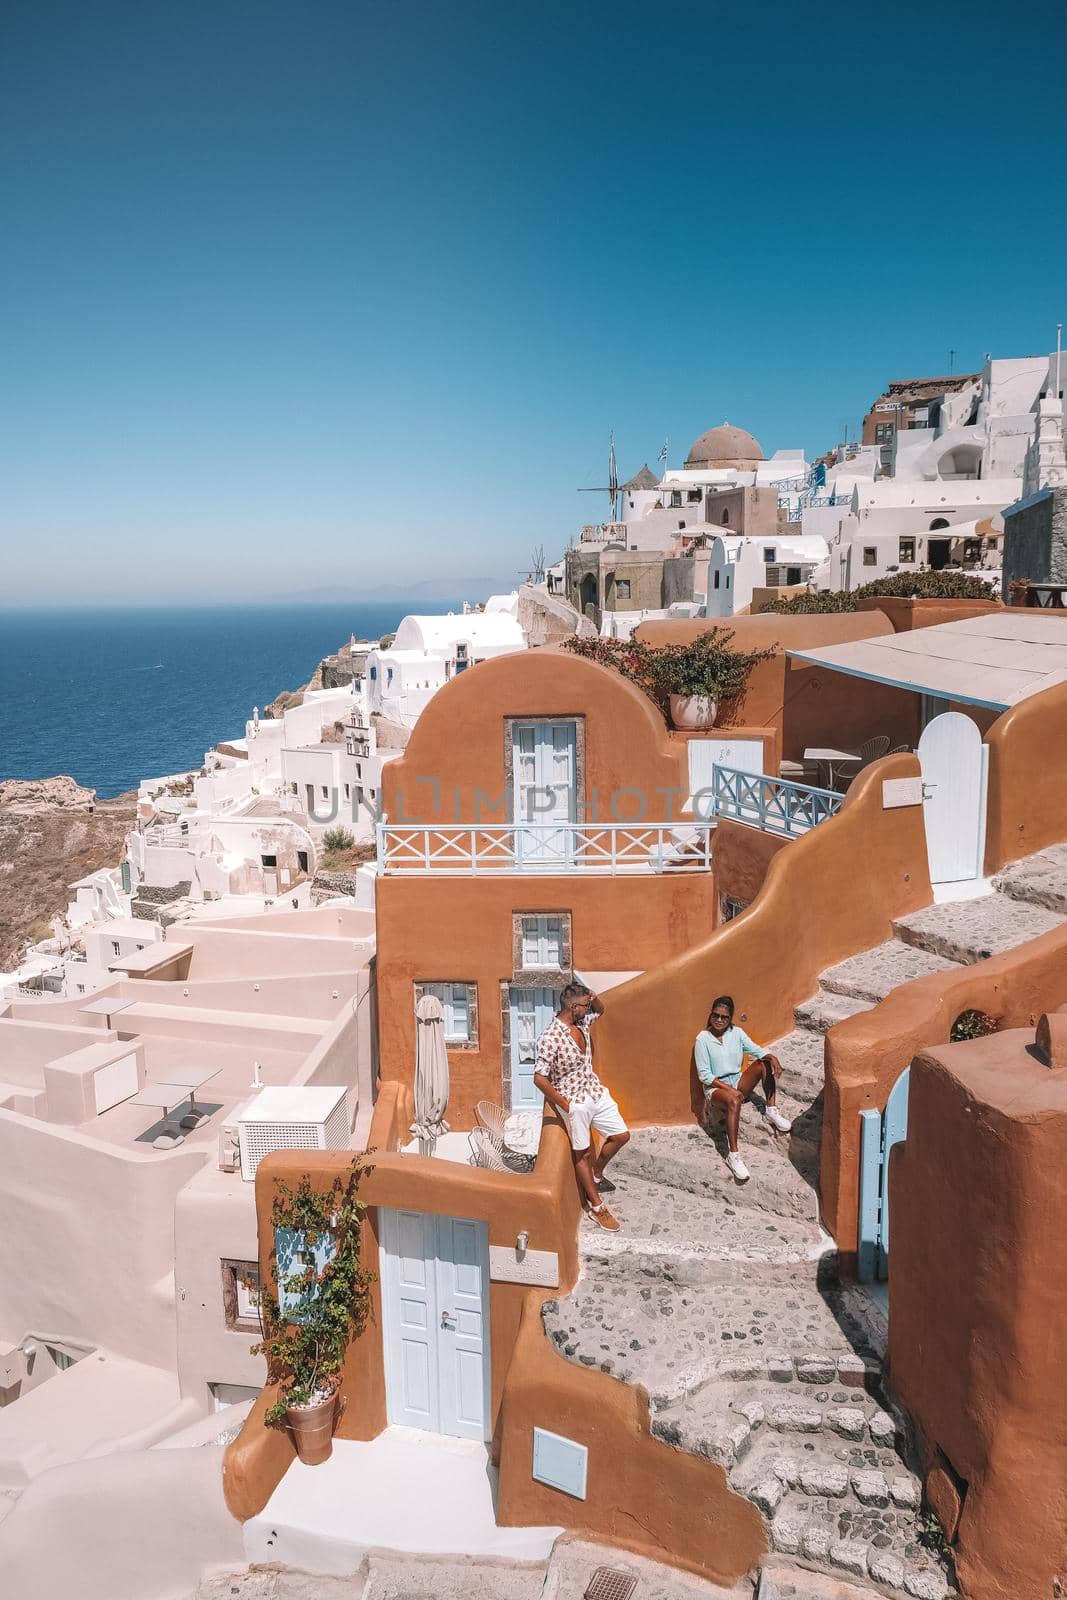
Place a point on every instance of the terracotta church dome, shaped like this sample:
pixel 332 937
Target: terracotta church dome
pixel 724 447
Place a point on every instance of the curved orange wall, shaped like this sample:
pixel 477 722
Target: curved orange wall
pixel 641 1494
pixel 866 1054
pixel 977 1303
pixel 1027 804
pixel 828 894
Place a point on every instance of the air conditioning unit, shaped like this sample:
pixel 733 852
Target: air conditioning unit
pixel 229 1140
pixel 310 1118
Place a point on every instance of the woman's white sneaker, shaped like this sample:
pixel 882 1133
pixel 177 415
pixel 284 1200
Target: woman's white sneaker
pixel 776 1120
pixel 737 1167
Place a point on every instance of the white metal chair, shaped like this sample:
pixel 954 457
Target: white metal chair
pixel 492 1118
pixel 484 1153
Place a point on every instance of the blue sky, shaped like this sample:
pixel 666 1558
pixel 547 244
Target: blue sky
pixel 314 292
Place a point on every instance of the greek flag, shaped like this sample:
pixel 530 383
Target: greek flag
pixel 663 453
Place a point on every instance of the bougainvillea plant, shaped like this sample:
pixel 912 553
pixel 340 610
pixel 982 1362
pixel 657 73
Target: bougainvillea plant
pixel 318 1299
pixel 708 665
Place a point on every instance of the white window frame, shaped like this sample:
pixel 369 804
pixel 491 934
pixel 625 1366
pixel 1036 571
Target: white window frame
pixel 455 1004
pixel 542 942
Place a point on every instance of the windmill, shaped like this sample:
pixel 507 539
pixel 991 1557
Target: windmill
pixel 537 565
pixel 611 488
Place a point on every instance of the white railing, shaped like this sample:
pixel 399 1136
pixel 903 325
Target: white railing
pixel 561 847
pixel 772 804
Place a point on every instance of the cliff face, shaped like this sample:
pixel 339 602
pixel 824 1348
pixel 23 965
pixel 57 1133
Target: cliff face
pixel 52 832
pixel 333 672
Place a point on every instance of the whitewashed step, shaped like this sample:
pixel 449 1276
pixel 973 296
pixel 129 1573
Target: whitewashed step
pixel 875 973
pixel 972 930
pixel 1041 879
pixel 824 1010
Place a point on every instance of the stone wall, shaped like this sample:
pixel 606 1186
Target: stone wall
pixel 1035 539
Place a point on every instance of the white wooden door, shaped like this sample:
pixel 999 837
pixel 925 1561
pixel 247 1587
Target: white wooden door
pixel 435 1322
pixel 743 755
pixel 545 791
pixel 463 1324
pixel 953 761
pixel 409 1317
pixel 531 1012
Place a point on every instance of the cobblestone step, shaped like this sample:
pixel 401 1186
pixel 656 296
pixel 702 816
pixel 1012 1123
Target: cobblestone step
pixel 675 1339
pixel 972 930
pixel 693 1161
pixel 686 1238
pixel 824 1010
pixel 862 1543
pixel 802 1054
pixel 1040 879
pixel 875 973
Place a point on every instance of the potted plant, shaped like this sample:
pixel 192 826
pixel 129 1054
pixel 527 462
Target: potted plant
pixel 690 681
pixel 695 678
pixel 315 1303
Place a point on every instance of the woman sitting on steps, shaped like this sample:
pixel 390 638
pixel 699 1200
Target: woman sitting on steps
pixel 720 1050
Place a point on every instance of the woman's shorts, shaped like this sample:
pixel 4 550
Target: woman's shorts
pixel 602 1114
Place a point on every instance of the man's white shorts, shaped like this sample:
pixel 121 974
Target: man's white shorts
pixel 602 1114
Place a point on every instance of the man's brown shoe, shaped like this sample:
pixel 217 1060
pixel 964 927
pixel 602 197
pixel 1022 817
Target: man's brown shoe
pixel 604 1219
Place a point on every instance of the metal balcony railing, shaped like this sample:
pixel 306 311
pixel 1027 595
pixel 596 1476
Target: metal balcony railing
pixel 771 804
pixel 545 847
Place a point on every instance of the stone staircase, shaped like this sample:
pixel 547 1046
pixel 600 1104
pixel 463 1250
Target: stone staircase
pixel 722 1300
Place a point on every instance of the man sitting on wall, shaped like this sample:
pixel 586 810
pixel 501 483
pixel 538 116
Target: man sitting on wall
pixel 566 1078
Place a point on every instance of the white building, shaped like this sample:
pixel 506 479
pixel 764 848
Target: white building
pixel 740 565
pixel 427 652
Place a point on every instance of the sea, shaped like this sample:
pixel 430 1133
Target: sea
pixel 115 696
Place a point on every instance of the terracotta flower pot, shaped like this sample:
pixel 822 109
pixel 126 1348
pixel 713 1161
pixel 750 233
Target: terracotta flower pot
pixel 691 712
pixel 312 1429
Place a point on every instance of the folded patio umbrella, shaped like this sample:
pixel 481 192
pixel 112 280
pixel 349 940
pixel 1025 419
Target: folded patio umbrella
pixel 431 1075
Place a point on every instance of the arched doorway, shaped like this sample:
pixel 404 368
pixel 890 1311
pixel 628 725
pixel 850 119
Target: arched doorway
pixel 953 761
pixel 938 551
pixel 588 595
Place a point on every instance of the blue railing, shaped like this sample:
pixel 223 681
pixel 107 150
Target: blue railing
pixel 772 804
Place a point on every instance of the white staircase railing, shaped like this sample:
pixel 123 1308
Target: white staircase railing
pixel 772 804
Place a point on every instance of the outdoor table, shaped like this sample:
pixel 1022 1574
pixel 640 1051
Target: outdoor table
pixel 162 1096
pixel 828 758
pixel 107 1008
pixel 190 1079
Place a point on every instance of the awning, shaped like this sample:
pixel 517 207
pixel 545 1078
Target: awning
pixel 993 660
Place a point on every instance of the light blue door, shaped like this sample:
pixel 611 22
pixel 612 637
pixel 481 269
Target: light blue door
pixel 879 1132
pixel 545 793
pixel 531 1012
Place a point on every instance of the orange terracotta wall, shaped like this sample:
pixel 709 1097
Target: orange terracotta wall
pixel 907 614
pixel 978 1302
pixel 808 706
pixel 1027 802
pixel 866 1054
pixel 741 857
pixel 435 928
pixel 828 894
pixel 460 741
pixel 545 1204
pixel 641 1494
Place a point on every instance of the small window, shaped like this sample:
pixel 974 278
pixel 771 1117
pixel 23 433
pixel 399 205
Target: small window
pixel 116 947
pixel 768 552
pixel 373 674
pixel 622 588
pixel 676 497
pixel 991 544
pixel 883 432
pixel 792 576
pixel 715 583
pixel 727 580
pixel 870 555
pixel 907 550
pixel 348 791
pixel 302 860
pixel 292 788
pixel 542 942
pixel 726 517
pixel 325 792
pixel 388 676
pixel 268 861
pixel 693 495
pixel 240 1295
pixel 459 1004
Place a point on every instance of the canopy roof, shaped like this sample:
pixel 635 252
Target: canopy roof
pixel 993 660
